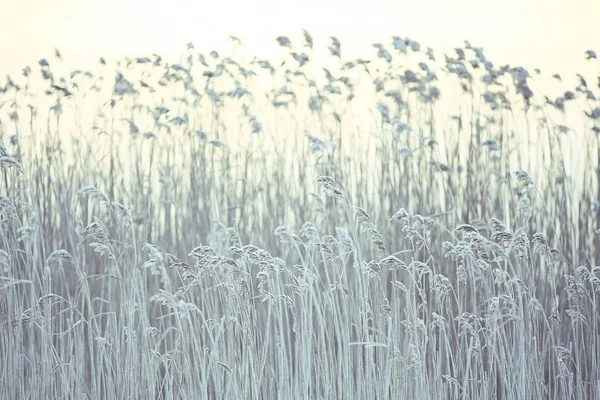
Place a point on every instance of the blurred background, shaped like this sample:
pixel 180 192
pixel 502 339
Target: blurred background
pixel 548 34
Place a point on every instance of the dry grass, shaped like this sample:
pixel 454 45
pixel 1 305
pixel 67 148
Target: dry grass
pixel 219 228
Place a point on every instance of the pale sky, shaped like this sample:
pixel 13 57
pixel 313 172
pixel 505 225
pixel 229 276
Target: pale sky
pixel 551 34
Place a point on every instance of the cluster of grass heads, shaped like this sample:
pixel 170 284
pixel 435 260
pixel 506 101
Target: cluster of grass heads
pixel 398 227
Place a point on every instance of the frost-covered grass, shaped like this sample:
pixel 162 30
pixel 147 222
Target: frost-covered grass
pixel 410 226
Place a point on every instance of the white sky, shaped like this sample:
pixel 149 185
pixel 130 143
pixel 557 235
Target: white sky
pixel 551 34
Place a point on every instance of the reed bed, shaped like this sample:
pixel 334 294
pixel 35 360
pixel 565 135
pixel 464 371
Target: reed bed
pixel 407 225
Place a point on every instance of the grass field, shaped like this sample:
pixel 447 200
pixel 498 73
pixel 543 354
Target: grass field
pixel 410 225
